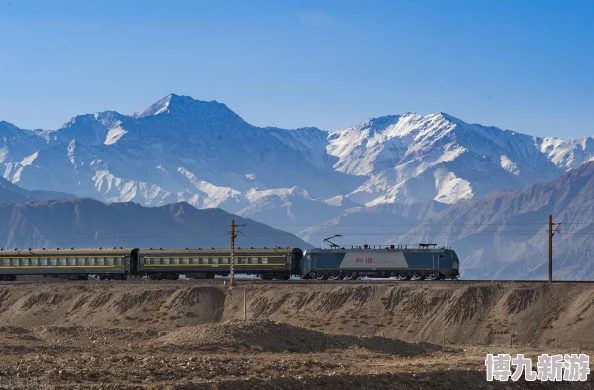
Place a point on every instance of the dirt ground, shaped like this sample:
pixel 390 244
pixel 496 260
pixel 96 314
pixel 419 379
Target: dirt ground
pixel 192 335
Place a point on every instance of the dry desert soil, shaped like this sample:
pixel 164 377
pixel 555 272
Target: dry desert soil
pixel 190 334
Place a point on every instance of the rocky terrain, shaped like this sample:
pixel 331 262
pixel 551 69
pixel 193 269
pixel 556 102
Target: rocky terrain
pixel 192 335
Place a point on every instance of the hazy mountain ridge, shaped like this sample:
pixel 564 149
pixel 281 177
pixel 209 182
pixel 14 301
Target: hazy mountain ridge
pixel 88 223
pixel 504 235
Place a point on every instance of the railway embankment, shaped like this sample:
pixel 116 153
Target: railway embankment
pixel 559 315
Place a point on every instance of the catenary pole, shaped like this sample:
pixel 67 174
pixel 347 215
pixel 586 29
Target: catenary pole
pixel 550 248
pixel 231 263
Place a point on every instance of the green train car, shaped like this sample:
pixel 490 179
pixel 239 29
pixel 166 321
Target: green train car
pixel 107 263
pixel 121 263
pixel 268 263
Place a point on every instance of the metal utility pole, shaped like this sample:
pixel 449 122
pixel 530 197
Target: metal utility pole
pixel 232 262
pixel 232 273
pixel 551 234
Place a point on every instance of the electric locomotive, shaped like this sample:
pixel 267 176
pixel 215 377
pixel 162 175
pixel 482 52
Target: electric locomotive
pixel 403 263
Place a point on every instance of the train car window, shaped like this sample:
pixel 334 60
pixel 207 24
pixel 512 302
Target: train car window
pixel 14 262
pixel 72 261
pixel 34 261
pixel 100 261
pixel 174 260
pixel 109 261
pixel 120 261
pixel 185 260
pixel 254 260
pixel 264 260
pixel 53 261
pixel 6 262
pixel 90 261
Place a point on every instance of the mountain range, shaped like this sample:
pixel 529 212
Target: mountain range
pixel 202 153
pixel 88 223
pixel 376 181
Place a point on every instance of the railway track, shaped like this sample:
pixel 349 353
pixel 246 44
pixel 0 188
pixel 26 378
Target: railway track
pixel 244 282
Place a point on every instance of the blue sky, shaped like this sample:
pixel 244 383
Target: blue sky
pixel 526 65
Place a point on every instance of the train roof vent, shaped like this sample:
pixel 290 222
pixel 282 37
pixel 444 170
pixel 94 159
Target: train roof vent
pixel 238 247
pixel 252 247
pixel 265 248
pixel 161 248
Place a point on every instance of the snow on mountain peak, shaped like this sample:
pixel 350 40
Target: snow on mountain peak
pixel 181 105
pixel 157 108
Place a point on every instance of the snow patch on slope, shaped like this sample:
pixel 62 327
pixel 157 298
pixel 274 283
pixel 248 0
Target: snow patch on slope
pixel 29 159
pixel 450 188
pixel 509 165
pixel 253 194
pixel 3 154
pixel 214 195
pixel 114 135
pixel 116 189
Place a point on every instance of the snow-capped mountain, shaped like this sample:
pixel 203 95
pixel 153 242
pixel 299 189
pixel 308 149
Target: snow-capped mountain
pixel 504 235
pixel 182 149
pixel 413 158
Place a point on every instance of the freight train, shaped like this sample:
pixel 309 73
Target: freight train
pixel 399 262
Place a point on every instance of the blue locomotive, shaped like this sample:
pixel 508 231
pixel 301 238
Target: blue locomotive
pixel 427 262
